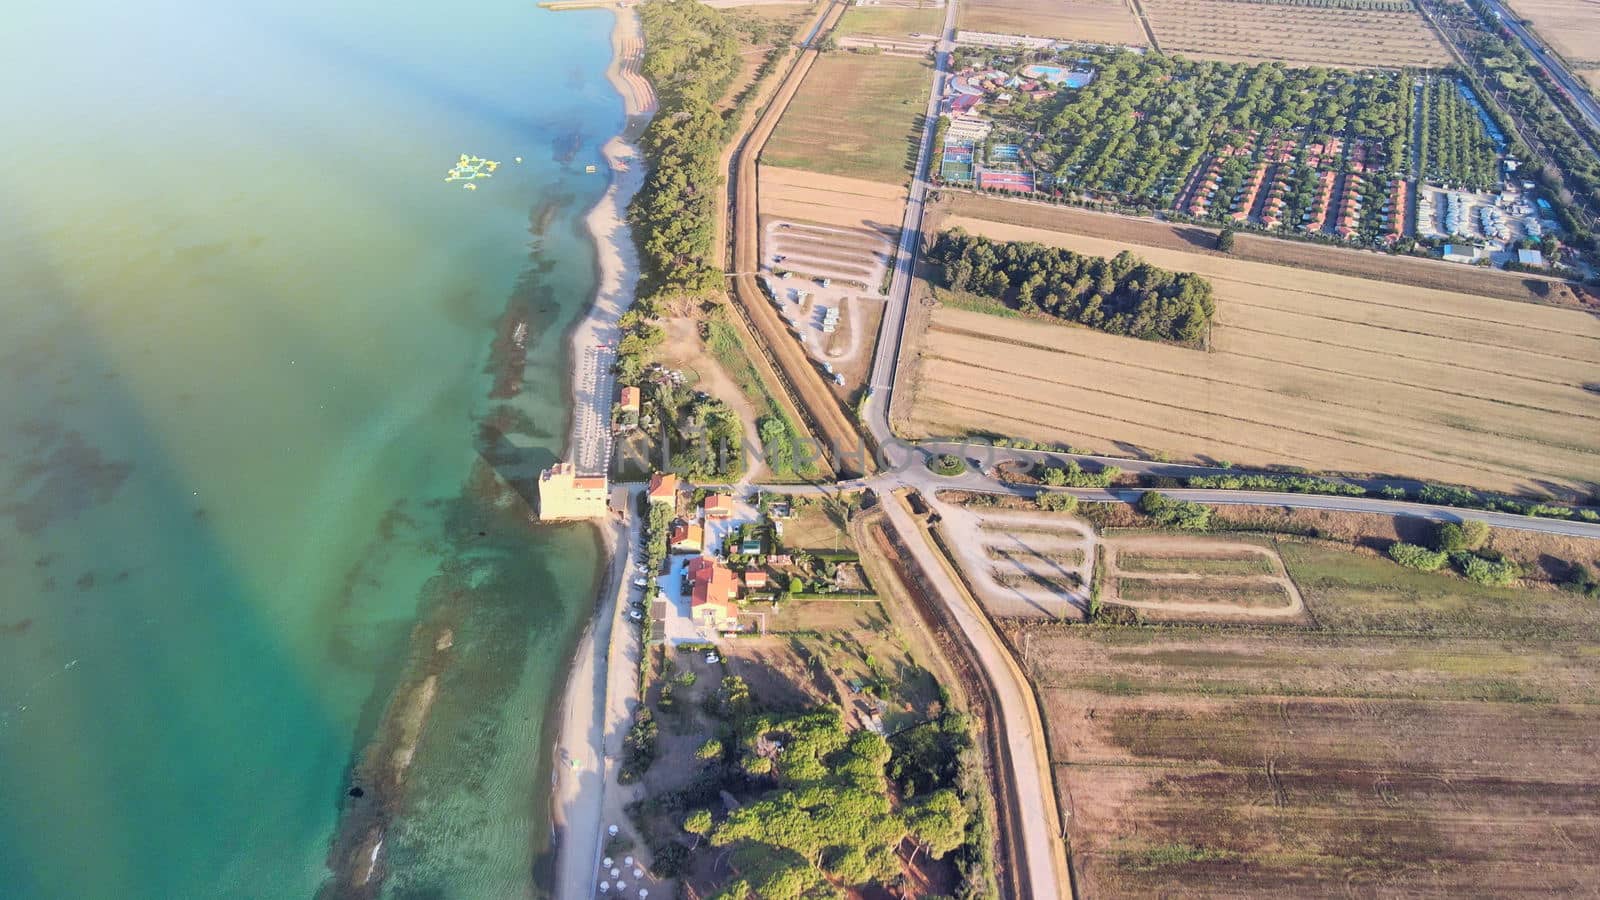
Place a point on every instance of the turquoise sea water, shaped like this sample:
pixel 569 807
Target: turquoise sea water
pixel 262 416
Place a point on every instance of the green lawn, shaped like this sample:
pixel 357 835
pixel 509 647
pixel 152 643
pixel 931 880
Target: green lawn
pixel 857 115
pixel 1195 565
pixel 1352 592
pixel 891 21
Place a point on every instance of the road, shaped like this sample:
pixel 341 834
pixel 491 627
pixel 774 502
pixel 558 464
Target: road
pixel 1041 847
pixel 1576 90
pixel 880 382
pixel 800 379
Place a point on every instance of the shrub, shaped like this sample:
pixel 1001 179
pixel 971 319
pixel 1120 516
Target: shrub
pixel 1413 556
pixel 1489 572
pixel 1581 580
pixel 668 859
pixel 1174 513
pixel 1056 501
pixel 1455 537
pixel 947 465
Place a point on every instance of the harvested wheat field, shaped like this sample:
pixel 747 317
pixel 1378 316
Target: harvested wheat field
pixel 832 200
pixel 1092 21
pixel 1242 31
pixel 1572 28
pixel 856 114
pixel 1321 371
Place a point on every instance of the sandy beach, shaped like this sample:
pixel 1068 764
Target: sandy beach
pixel 597 701
pixel 594 339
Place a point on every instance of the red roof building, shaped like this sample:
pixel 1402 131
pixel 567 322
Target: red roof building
pixel 712 589
pixel 719 506
pixel 663 488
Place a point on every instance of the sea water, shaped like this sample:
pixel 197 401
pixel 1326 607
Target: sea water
pixel 265 408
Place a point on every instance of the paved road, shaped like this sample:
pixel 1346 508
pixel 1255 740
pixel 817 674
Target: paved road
pixel 880 382
pixel 1575 88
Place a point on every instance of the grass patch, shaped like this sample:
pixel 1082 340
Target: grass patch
pixel 857 115
pixel 1261 595
pixel 1165 855
pixel 1072 557
pixel 1241 564
pixel 1353 592
pixel 887 21
pixel 780 438
pixel 947 465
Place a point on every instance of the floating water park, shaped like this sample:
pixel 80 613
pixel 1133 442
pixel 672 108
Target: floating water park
pixel 471 168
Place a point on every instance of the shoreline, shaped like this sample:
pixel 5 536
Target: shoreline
pixel 616 254
pixel 597 692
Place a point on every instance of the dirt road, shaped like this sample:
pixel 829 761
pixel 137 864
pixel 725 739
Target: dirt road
pixel 822 414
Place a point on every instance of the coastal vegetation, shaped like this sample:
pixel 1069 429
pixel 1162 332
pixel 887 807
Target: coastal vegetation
pixel 1123 295
pixel 691 57
pixel 786 455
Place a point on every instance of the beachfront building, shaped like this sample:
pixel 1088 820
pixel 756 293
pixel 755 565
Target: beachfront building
pixel 711 595
pixel 663 488
pixel 629 400
pixel 564 494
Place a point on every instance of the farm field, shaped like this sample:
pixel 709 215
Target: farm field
pixel 1236 31
pixel 1093 21
pixel 1572 28
pixel 1321 371
pixel 1414 271
pixel 891 21
pixel 856 115
pixel 831 200
pixel 1193 577
pixel 761 26
pixel 1429 755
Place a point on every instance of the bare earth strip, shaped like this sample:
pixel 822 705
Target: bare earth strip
pixel 832 200
pixel 1299 35
pixel 1015 560
pixel 1326 371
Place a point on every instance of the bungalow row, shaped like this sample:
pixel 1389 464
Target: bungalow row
pixel 1320 152
pixel 1349 207
pixel 1316 218
pixel 1395 221
pixel 1200 204
pixel 1246 199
